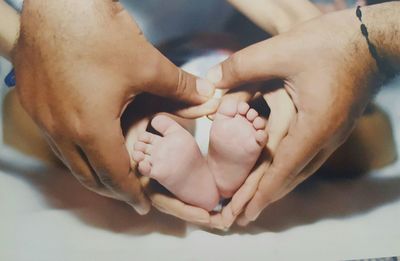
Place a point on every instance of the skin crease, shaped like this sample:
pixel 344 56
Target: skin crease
pixel 331 77
pixel 78 64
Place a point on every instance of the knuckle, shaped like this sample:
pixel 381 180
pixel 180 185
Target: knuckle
pixel 182 84
pixel 83 135
pixel 81 127
pixel 52 129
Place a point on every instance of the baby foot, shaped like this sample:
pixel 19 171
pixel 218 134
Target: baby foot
pixel 236 139
pixel 175 161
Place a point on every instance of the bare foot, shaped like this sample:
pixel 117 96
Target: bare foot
pixel 175 161
pixel 236 139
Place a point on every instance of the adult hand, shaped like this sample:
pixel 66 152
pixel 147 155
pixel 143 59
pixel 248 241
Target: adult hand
pixel 329 73
pixel 78 64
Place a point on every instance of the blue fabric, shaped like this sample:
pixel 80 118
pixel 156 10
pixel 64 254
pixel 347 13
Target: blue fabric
pixel 16 4
pixel 10 79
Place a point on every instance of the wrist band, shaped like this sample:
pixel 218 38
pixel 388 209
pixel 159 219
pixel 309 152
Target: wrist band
pixel 10 79
pixel 382 65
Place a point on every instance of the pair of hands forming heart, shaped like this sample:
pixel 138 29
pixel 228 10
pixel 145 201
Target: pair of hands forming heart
pixel 278 124
pixel 327 96
pixel 76 80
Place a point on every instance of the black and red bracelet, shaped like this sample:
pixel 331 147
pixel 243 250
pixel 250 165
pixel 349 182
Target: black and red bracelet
pixel 383 66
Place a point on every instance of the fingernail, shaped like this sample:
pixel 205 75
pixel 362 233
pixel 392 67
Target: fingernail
pixel 139 209
pixel 215 74
pixel 204 88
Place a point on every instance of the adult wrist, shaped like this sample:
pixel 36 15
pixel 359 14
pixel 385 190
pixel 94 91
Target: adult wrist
pixel 383 24
pixel 356 66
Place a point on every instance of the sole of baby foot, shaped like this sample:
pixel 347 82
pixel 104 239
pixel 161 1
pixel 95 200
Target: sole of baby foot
pixel 175 161
pixel 237 138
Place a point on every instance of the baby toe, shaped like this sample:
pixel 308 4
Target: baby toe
pixel 149 138
pixel 228 108
pixel 261 137
pixel 140 146
pixel 243 108
pixel 145 168
pixel 143 147
pixel 164 125
pixel 251 115
pixel 148 149
pixel 138 156
pixel 259 123
pixel 145 137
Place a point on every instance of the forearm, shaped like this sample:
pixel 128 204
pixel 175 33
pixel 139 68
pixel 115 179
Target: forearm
pixel 383 23
pixel 9 29
pixel 277 16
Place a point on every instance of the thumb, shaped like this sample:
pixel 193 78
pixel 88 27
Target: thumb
pixel 173 82
pixel 259 62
